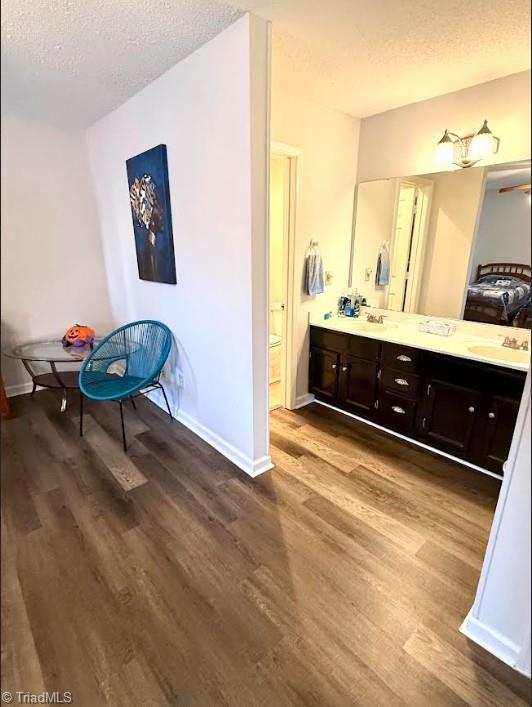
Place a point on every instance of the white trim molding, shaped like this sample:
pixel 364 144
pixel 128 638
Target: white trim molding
pixel 252 467
pixel 290 292
pixel 491 640
pixel 303 400
pixel 20 389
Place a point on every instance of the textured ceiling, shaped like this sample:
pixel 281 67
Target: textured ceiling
pixel 73 61
pixel 368 56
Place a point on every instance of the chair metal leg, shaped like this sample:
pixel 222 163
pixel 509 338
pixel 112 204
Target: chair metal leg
pixel 80 414
pixel 123 427
pixel 133 402
pixel 166 401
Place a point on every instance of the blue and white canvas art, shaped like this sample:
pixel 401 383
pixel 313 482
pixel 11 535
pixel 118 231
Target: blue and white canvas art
pixel 149 195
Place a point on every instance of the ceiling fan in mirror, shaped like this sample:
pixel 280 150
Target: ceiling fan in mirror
pixel 525 188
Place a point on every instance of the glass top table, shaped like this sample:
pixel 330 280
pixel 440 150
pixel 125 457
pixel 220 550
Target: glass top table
pixel 51 352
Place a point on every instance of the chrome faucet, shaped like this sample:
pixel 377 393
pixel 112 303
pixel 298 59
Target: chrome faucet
pixel 373 319
pixel 512 343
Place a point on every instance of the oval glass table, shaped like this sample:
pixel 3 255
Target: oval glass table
pixel 52 352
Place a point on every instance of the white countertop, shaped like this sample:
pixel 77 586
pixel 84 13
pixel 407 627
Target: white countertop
pixel 401 328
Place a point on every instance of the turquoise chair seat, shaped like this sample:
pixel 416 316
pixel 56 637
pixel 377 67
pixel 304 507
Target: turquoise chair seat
pixel 109 386
pixel 127 363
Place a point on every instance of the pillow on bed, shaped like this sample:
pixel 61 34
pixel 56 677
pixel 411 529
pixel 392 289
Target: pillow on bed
pixel 501 281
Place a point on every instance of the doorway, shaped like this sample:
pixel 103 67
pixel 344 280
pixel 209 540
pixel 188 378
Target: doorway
pixel 279 210
pixel 408 244
pixel 282 207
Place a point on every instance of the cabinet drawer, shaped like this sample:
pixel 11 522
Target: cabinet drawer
pixel 325 339
pixel 396 413
pixel 401 358
pixel 360 346
pixel 363 347
pixel 402 382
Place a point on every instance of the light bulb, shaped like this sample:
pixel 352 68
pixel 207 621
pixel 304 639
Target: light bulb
pixel 483 144
pixel 444 151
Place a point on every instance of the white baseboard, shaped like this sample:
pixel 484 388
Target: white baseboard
pixel 491 640
pixel 20 389
pixel 303 400
pixel 252 467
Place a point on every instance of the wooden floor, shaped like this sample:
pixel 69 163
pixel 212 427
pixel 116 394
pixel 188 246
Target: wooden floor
pixel 340 578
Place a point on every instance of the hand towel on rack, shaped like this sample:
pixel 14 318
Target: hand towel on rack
pixel 314 274
pixel 382 274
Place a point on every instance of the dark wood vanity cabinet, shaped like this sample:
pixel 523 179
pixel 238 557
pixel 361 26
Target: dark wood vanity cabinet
pixel 357 389
pixel 449 415
pixel 459 407
pixel 496 434
pixel 323 373
pixel 343 369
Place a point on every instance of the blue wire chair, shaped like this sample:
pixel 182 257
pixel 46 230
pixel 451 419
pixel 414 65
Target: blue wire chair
pixel 127 363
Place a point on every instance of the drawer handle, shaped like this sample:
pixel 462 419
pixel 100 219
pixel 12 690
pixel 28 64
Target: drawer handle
pixel 405 358
pixel 471 409
pixel 344 368
pixel 401 381
pixel 333 365
pixel 398 410
pixel 491 415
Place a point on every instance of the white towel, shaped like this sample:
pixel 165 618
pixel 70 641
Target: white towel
pixel 314 274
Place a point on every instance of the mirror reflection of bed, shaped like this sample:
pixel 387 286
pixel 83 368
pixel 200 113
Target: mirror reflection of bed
pixel 458 244
pixel 500 294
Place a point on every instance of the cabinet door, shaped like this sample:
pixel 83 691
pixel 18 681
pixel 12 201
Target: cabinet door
pixel 323 373
pixel 497 432
pixel 449 415
pixel 358 385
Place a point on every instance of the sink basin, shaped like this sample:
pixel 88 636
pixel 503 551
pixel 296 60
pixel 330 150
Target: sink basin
pixel 501 353
pixel 364 326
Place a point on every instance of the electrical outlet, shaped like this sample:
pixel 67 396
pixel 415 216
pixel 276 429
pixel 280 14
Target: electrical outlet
pixel 328 277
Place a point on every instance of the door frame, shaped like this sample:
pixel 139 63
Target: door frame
pixel 289 359
pixel 425 188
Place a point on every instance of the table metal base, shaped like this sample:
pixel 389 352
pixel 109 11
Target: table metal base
pixel 62 380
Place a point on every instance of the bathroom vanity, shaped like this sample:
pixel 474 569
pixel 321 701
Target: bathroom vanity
pixel 459 394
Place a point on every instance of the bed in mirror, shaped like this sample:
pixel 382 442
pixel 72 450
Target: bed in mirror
pixel 449 244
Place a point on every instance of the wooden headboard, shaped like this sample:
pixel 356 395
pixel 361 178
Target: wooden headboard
pixel 520 270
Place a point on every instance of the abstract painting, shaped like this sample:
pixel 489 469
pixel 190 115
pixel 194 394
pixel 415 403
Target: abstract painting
pixel 149 196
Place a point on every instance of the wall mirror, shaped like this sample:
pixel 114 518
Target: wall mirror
pixel 449 244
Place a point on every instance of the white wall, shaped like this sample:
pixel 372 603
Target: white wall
pixel 500 617
pixel 401 142
pixel 211 111
pixel 503 231
pixel 52 263
pixel 328 141
pixel 375 213
pixel 454 213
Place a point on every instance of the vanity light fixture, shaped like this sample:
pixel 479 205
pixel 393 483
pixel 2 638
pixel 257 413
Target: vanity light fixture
pixel 466 151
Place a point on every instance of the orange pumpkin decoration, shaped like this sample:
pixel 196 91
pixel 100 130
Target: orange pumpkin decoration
pixel 78 335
